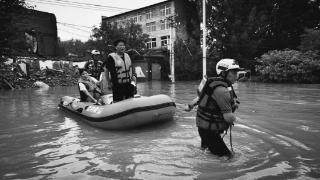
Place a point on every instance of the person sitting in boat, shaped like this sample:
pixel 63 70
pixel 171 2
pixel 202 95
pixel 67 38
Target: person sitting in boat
pixel 122 80
pixel 88 87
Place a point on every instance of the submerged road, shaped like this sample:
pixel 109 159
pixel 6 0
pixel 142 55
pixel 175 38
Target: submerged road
pixel 275 137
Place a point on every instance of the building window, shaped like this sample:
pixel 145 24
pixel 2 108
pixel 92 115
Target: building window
pixel 134 19
pixel 148 27
pixel 162 24
pixel 148 15
pixel 162 11
pixel 165 10
pixel 151 26
pixel 152 43
pixel 165 40
pixel 140 18
pixel 168 10
pixel 167 24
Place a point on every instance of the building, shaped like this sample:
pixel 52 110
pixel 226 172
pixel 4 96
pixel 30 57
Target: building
pixel 164 22
pixel 37 30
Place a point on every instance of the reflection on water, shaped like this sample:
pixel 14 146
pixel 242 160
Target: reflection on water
pixel 274 138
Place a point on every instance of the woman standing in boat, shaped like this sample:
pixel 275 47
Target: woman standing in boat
pixel 121 78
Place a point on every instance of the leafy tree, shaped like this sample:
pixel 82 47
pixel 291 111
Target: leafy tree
pixel 310 40
pixel 131 33
pixel 187 60
pixel 73 46
pixel 245 29
pixel 289 66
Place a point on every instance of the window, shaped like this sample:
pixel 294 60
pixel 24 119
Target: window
pixel 162 11
pixel 167 24
pixel 140 18
pixel 152 43
pixel 165 10
pixel 151 26
pixel 134 19
pixel 162 24
pixel 168 10
pixel 148 27
pixel 165 40
pixel 148 15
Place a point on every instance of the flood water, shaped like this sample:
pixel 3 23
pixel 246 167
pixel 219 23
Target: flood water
pixel 276 137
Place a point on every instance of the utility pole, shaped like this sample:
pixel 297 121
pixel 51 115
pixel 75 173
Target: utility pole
pixel 171 23
pixel 204 38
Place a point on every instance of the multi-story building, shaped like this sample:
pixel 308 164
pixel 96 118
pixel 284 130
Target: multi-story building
pixel 164 22
pixel 160 21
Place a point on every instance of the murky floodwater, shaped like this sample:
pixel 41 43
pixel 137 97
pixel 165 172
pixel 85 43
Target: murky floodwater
pixel 276 137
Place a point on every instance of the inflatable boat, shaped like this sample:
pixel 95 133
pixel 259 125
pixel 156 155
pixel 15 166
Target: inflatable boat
pixel 126 114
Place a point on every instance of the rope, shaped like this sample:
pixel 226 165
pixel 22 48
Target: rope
pixel 231 139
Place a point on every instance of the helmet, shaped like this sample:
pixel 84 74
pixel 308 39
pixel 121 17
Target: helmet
pixel 95 52
pixel 226 65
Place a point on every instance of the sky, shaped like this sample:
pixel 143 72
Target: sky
pixel 76 18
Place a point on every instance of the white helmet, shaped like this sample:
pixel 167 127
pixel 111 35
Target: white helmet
pixel 95 52
pixel 226 65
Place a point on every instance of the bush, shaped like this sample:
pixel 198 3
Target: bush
pixel 289 66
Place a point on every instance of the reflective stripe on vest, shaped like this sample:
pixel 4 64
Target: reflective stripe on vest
pixel 123 67
pixel 209 115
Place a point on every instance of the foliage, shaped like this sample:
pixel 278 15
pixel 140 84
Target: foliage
pixel 245 29
pixel 310 40
pixel 289 66
pixel 187 60
pixel 131 33
pixel 73 46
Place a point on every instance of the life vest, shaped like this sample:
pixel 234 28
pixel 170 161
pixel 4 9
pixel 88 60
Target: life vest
pixel 209 115
pixel 123 68
pixel 94 68
pixel 91 88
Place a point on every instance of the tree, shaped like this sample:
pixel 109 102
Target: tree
pixel 187 60
pixel 73 46
pixel 131 33
pixel 310 40
pixel 245 29
pixel 7 8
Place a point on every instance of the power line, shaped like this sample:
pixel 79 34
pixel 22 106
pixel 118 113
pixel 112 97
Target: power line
pixel 113 7
pixel 79 5
pixel 63 5
pixel 75 25
pixel 73 33
pixel 76 28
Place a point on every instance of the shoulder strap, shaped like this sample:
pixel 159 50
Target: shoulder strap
pixel 211 84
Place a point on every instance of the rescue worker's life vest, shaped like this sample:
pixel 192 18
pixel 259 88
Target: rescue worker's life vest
pixel 209 115
pixel 91 88
pixel 123 68
pixel 94 68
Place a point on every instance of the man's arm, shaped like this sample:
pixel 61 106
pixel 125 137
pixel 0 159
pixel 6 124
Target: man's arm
pixel 108 65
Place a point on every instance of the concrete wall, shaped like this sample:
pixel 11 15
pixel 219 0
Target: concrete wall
pixel 42 25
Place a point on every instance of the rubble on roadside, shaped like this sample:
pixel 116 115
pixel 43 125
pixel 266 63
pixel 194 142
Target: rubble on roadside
pixel 12 76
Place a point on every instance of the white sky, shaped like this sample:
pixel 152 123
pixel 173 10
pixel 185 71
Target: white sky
pixel 84 17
